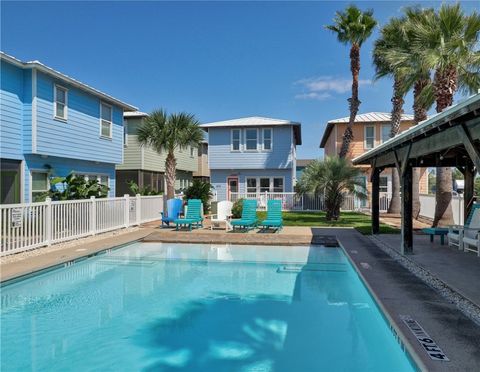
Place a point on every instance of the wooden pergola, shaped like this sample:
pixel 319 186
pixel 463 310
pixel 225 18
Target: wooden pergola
pixel 448 139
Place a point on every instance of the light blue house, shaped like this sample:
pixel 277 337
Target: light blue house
pixel 51 125
pixel 252 155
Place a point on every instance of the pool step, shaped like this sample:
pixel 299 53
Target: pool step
pixel 295 269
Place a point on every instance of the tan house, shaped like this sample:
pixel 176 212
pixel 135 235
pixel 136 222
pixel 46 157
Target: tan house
pixel 145 166
pixel 203 172
pixel 369 130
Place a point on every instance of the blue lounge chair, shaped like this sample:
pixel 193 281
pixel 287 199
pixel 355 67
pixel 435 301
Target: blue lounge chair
pixel 174 209
pixel 274 216
pixel 193 215
pixel 249 215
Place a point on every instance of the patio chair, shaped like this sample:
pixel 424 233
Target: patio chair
pixel 249 215
pixel 456 232
pixel 223 215
pixel 274 216
pixel 193 215
pixel 174 209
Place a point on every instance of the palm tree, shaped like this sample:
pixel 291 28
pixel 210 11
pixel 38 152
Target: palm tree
pixel 352 27
pixel 168 133
pixel 447 43
pixel 394 55
pixel 333 177
pixel 393 38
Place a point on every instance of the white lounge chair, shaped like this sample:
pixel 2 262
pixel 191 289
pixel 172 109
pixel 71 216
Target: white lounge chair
pixel 456 234
pixel 223 215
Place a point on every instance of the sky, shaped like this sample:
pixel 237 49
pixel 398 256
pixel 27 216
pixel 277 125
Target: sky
pixel 218 60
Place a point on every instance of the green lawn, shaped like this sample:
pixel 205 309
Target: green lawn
pixel 360 221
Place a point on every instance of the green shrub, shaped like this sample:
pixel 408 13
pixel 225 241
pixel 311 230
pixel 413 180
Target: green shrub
pixel 237 208
pixel 200 190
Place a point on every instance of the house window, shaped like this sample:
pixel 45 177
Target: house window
pixel 251 136
pixel 192 152
pixel 383 184
pixel 267 139
pixel 39 186
pixel 105 120
pixel 386 129
pixel 278 185
pixel 125 133
pixel 60 109
pixel 251 185
pixel 264 184
pixel 235 140
pixel 369 137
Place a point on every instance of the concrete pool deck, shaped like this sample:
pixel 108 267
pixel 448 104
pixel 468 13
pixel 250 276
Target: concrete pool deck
pixel 396 289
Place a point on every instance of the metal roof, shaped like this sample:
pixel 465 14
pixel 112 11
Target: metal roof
pixel 368 117
pixel 249 121
pixel 256 121
pixel 371 117
pixel 50 71
pixel 134 114
pixel 422 128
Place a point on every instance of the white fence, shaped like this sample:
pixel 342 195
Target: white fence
pixel 305 202
pixel 427 208
pixel 26 226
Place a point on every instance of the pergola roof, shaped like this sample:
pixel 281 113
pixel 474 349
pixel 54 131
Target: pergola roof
pixel 445 139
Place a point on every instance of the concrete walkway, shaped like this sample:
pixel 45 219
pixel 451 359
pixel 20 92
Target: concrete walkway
pixel 459 270
pixel 399 293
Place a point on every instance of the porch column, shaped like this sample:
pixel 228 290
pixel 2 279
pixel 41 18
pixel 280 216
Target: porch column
pixel 407 215
pixel 468 192
pixel 375 179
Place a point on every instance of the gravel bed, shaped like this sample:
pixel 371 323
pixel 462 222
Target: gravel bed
pixel 467 307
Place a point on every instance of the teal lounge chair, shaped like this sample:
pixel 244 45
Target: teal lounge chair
pixel 193 215
pixel 249 215
pixel 174 209
pixel 274 216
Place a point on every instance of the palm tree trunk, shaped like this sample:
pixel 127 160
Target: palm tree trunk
pixel 445 85
pixel 419 114
pixel 354 103
pixel 397 111
pixel 170 174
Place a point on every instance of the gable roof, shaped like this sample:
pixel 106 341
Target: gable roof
pixel 58 75
pixel 368 117
pixel 255 121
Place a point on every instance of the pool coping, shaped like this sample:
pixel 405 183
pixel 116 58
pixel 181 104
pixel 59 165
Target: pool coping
pixel 30 266
pixel 397 332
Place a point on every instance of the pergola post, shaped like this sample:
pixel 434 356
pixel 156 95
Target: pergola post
pixel 468 191
pixel 407 215
pixel 375 179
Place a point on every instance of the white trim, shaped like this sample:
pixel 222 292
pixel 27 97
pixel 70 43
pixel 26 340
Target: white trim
pixel 35 170
pixel 271 139
pixel 239 140
pixel 246 140
pixel 125 133
pixel 22 181
pixel 59 118
pixel 365 137
pixel 270 183
pixel 50 71
pixel 336 134
pixel 111 120
pixel 34 111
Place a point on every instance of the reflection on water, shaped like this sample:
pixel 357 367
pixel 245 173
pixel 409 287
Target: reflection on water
pixel 164 307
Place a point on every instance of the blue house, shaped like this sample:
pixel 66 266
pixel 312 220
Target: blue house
pixel 52 125
pixel 252 155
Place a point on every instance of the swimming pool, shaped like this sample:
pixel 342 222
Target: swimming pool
pixel 197 307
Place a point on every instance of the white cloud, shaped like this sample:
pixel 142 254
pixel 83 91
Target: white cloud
pixel 323 87
pixel 313 95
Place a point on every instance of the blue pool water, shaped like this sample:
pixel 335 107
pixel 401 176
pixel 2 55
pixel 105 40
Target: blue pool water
pixel 171 307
